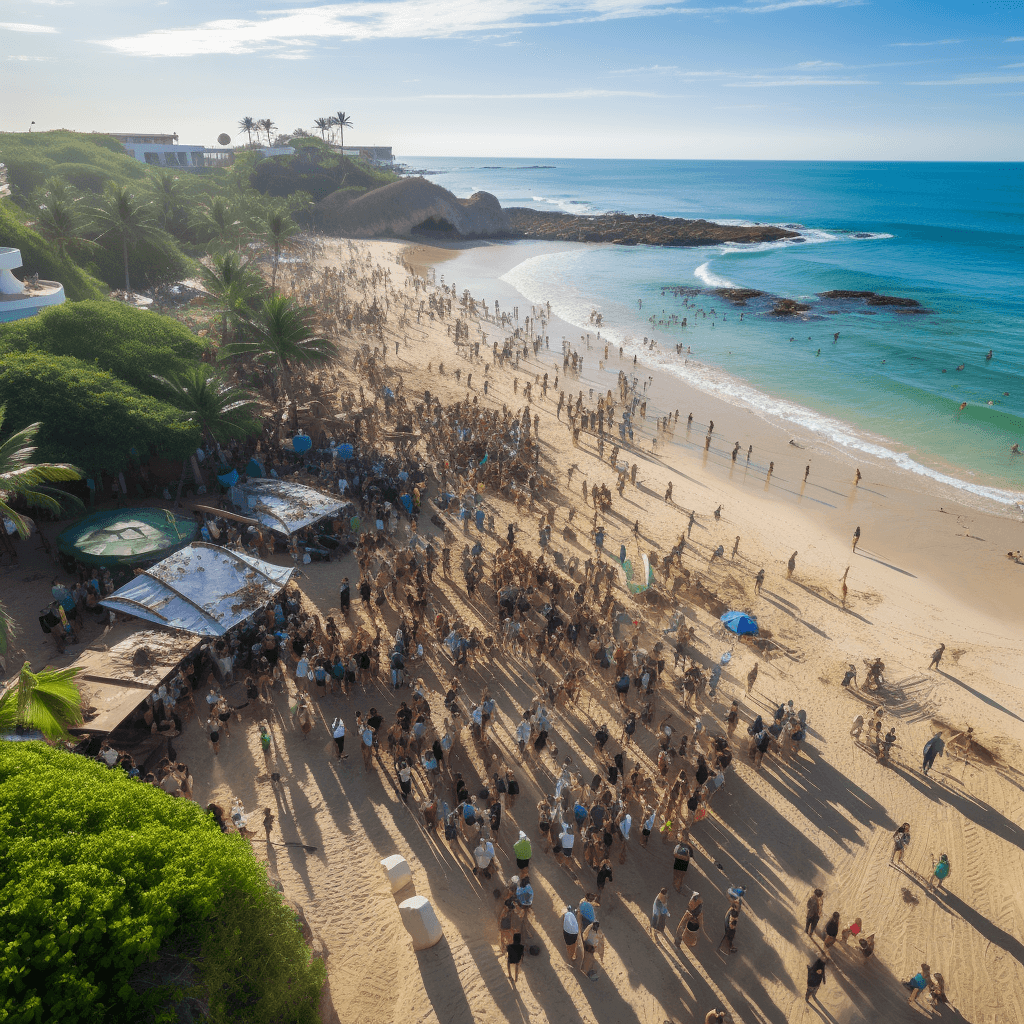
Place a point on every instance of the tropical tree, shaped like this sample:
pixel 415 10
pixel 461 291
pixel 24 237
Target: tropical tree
pixel 281 334
pixel 169 194
pixel 342 121
pixel 119 212
pixel 278 230
pixel 268 126
pixel 221 220
pixel 21 479
pixel 211 402
pixel 49 702
pixel 323 126
pixel 60 218
pixel 234 287
pixel 248 125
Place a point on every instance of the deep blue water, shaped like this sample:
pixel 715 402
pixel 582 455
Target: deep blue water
pixel 950 236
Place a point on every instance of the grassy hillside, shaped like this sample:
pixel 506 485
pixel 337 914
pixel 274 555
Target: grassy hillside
pixel 40 257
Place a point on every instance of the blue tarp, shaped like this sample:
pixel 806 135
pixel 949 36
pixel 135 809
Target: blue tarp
pixel 345 451
pixel 740 622
pixel 302 442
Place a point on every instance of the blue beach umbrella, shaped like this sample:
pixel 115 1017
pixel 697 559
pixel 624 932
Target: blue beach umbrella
pixel 345 451
pixel 302 442
pixel 254 469
pixel 740 622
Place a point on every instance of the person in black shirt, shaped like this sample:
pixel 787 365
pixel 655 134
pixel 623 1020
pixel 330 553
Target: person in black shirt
pixel 600 739
pixel 815 977
pixel 515 950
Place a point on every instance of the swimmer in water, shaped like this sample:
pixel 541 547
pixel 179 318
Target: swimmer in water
pixel 1015 449
pixel 989 356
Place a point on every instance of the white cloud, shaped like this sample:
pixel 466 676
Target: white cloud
pixel 20 26
pixel 1014 39
pixel 654 69
pixel 932 42
pixel 1018 65
pixel 818 64
pixel 25 57
pixel 977 80
pixel 794 81
pixel 410 19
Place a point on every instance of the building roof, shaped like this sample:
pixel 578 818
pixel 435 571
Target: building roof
pixel 284 506
pixel 203 589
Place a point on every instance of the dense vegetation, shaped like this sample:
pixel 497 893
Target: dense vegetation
pixel 129 343
pixel 90 418
pixel 101 875
pixel 40 257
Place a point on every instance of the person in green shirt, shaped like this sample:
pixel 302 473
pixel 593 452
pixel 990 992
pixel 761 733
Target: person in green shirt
pixel 265 744
pixel 523 850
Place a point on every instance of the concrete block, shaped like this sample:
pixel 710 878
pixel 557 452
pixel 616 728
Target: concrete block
pixel 397 872
pixel 420 922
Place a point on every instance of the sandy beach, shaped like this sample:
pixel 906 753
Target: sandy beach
pixel 927 571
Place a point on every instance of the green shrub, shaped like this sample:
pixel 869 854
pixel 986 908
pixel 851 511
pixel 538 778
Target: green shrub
pixel 132 344
pixel 89 417
pixel 315 169
pixel 40 257
pixel 99 873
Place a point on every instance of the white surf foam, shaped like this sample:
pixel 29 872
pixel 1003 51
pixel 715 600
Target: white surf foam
pixel 703 273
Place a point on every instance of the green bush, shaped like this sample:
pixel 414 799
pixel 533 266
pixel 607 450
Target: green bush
pixel 40 257
pixel 132 344
pixel 89 417
pixel 99 873
pixel 315 169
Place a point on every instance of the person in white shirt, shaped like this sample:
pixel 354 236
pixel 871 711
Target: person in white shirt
pixel 570 932
pixel 523 738
pixel 302 673
pixel 108 753
pixel 484 857
pixel 367 748
pixel 338 732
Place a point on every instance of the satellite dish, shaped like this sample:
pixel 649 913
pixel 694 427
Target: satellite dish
pixel 223 139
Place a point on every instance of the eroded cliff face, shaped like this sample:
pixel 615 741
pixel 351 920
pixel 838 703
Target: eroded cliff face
pixel 409 206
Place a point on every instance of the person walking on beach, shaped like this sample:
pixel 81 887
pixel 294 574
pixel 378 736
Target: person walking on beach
pixel 815 979
pixel 732 916
pixel 570 932
pixel 791 565
pixel 514 952
pixel 807 469
pixel 934 748
pixel 856 539
pixel 813 912
pixel 942 870
pixel 659 913
pixel 759 581
pixel 900 841
pixel 680 864
pixel 831 932
pixel 937 656
pixel 692 923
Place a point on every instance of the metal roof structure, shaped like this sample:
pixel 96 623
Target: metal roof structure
pixel 203 589
pixel 284 506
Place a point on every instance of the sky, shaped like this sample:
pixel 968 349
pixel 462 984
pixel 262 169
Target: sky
pixel 738 79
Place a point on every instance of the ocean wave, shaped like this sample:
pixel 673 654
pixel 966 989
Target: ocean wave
pixel 536 283
pixel 577 206
pixel 703 273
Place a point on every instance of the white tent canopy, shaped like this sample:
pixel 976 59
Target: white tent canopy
pixel 201 589
pixel 283 506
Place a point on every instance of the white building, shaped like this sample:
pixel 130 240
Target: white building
pixel 378 156
pixel 164 151
pixel 18 300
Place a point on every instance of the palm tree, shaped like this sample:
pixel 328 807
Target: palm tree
pixel 248 125
pixel 234 286
pixel 60 218
pixel 343 121
pixel 169 192
pixel 121 213
pixel 281 334
pixel 219 218
pixel 268 126
pixel 46 701
pixel 323 126
pixel 22 479
pixel 210 401
pixel 278 229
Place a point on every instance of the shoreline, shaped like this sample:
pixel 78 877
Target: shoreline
pixel 936 539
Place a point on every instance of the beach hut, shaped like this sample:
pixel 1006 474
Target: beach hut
pixel 125 537
pixel 202 589
pixel 740 622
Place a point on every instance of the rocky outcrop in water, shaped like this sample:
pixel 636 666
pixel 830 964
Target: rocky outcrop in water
pixel 872 298
pixel 788 307
pixel 629 229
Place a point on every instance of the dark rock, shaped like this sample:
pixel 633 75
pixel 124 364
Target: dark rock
pixel 788 307
pixel 738 296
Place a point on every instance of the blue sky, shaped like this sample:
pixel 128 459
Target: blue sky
pixel 753 79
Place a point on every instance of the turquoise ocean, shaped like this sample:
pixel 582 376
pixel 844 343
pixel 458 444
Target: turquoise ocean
pixel 950 236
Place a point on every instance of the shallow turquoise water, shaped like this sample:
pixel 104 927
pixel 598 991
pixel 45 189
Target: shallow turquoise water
pixel 950 236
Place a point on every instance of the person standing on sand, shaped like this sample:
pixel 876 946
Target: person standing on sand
pixel 759 581
pixel 857 478
pixel 937 656
pixel 680 864
pixel 514 952
pixel 900 841
pixel 831 932
pixel 659 913
pixel 815 979
pixel 942 870
pixel 807 469
pixel 856 539
pixel 593 944
pixel 791 565
pixel 692 923
pixel 268 821
pixel 813 912
pixel 570 932
pixel 857 727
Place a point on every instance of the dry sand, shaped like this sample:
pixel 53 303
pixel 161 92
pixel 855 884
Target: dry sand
pixel 824 821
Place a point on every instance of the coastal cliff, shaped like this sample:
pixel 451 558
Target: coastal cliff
pixel 415 206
